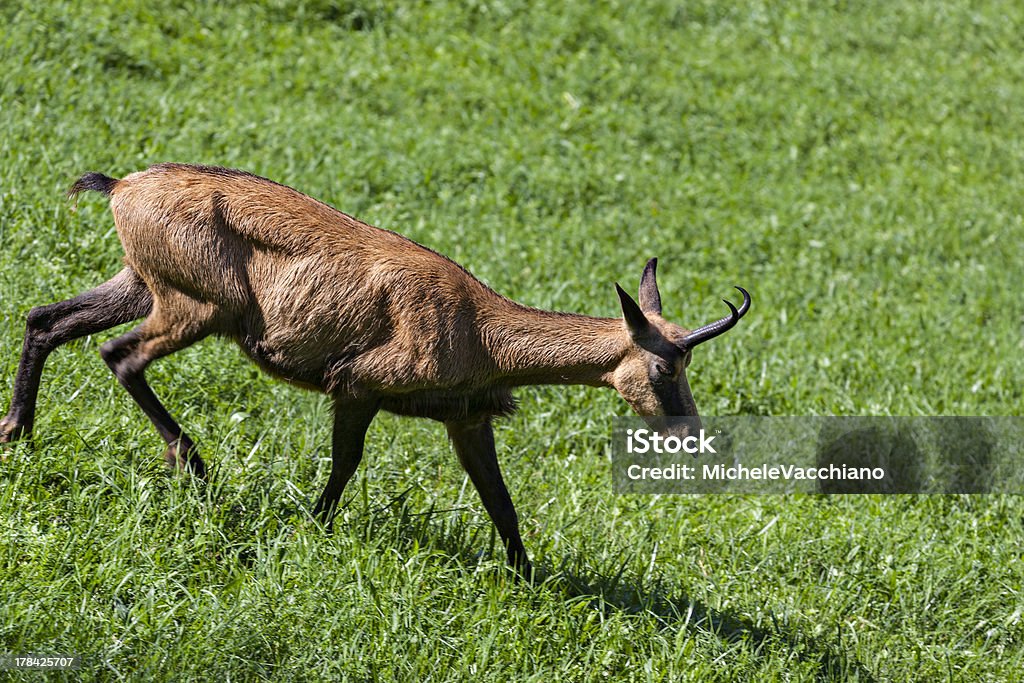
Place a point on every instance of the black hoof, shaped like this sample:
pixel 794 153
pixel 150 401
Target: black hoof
pixel 185 459
pixel 13 431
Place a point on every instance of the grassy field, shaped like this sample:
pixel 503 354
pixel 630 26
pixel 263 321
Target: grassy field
pixel 856 165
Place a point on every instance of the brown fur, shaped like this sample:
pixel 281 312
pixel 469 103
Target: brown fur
pixel 329 303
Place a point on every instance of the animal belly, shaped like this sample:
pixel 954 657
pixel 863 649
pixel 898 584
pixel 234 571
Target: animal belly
pixel 301 370
pixel 450 405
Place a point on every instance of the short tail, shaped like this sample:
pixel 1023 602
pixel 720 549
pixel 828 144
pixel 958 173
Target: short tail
pixel 93 181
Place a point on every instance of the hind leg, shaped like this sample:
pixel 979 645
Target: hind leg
pixel 166 330
pixel 119 300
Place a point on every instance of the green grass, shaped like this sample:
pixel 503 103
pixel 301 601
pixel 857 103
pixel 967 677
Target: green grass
pixel 857 166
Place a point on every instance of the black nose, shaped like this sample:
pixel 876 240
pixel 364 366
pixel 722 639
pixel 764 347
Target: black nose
pixel 679 427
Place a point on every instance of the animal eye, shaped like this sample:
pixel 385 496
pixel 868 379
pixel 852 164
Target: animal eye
pixel 663 369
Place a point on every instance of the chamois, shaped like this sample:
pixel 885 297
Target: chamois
pixel 367 316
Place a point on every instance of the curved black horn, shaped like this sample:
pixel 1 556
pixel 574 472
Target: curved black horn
pixel 718 327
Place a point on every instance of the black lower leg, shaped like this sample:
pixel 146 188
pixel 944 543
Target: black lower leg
pixel 122 299
pixel 474 444
pixel 351 420
pixel 128 363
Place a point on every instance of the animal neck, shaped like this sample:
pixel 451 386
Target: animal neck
pixel 531 346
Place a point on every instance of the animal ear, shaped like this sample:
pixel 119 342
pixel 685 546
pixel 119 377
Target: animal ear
pixel 650 298
pixel 635 318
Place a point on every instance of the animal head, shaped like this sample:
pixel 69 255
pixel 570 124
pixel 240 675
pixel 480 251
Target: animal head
pixel 652 376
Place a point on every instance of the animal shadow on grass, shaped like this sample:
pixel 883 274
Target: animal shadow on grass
pixel 617 593
pixel 452 535
pixel 393 521
pixel 466 543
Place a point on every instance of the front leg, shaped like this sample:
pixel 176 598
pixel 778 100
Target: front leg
pixel 474 444
pixel 351 420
